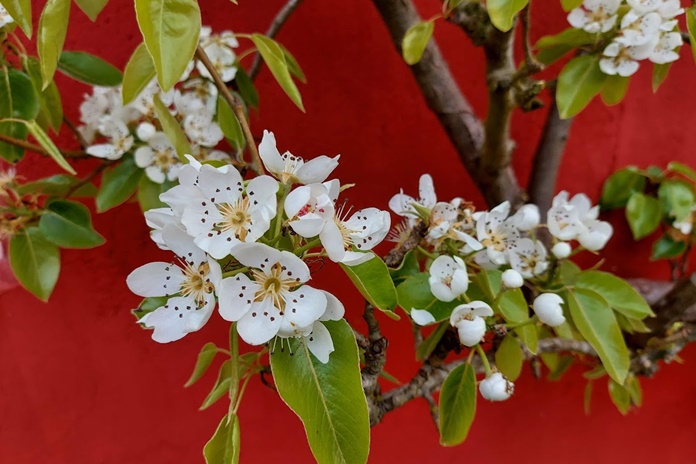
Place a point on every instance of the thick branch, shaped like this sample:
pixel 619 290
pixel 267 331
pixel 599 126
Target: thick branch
pixel 275 27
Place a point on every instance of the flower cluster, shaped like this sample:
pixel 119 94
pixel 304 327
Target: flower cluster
pixel 114 129
pixel 243 244
pixel 647 30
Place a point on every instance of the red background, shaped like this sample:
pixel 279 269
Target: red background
pixel 81 383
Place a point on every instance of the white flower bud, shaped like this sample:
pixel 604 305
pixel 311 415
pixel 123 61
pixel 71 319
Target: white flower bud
pixel 512 279
pixel 561 250
pixel 527 217
pixel 547 307
pixel 471 331
pixel 145 131
pixel 496 387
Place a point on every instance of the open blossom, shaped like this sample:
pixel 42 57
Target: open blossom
pixel 310 207
pixel 639 29
pixel 364 230
pixel 469 321
pixel 5 17
pixel 120 140
pixel 497 233
pixel 220 51
pixel 189 285
pixel 201 129
pixel 496 387
pixel 159 159
pixel 528 257
pixel 576 219
pixel 273 300
pixel 291 169
pixel 402 204
pixel 225 212
pixel 595 16
pixel 448 278
pixel 665 49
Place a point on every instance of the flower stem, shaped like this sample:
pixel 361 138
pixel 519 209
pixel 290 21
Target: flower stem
pixel 234 272
pixel 484 359
pixel 307 246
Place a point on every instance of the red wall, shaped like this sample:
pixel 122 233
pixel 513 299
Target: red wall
pixel 81 383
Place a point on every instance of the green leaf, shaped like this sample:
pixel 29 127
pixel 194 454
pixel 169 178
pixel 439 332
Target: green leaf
pixel 92 8
pixel 568 5
pixel 595 320
pixel 328 398
pixel 20 10
pixel 139 72
pixel 415 40
pixel 48 145
pixel 666 247
pixel 223 447
pixel 147 306
pixel 372 279
pixel 51 105
pixel 293 65
pixel 222 385
pixel 409 266
pixel 634 390
pixel 564 363
pixel 246 87
pixel 274 57
pixel 53 27
pixel 659 75
pixel 149 192
pixel 620 397
pixel 35 262
pixel 171 29
pixel 578 83
pixel 58 186
pixel 457 405
pixel 118 184
pixel 89 69
pixel 614 90
pixel 514 308
pixel 618 293
pixel 550 55
pixel 631 325
pixel 619 187
pixel 172 129
pixel 230 124
pixel 643 214
pixel 205 359
pixel 68 224
pixel 503 12
pixel 677 198
pixel 431 341
pixel 18 99
pixel 509 357
pixel 414 293
pixel 571 37
pixel 691 26
pixel 682 169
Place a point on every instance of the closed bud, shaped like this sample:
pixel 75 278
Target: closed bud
pixel 512 279
pixel 561 250
pixel 527 217
pixel 547 307
pixel 496 387
pixel 146 131
pixel 471 331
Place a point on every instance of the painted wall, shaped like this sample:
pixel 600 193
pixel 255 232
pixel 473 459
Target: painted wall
pixel 81 383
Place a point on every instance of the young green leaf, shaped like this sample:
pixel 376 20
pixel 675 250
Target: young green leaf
pixel 118 184
pixel 53 27
pixel 618 293
pixel 503 12
pixel 644 214
pixel 223 447
pixel 328 398
pixel 89 69
pixel 568 5
pixel 222 385
pixel 619 187
pixel 614 90
pixel 619 396
pixel 172 129
pixel 230 124
pixel 205 359
pixel 35 262
pixel 682 169
pixel 246 88
pixel 58 186
pixel 677 198
pixel 691 26
pixel 293 65
pixel 374 283
pixel 48 145
pixel 634 390
pixel 92 8
pixel 149 192
pixel 457 405
pixel 68 224
pixel 509 357
pixel 51 105
pixel 19 100
pixel 20 10
pixel 415 40
pixel 660 72
pixel 139 72
pixel 595 320
pixel 666 247
pixel 578 83
pixel 274 57
pixel 171 30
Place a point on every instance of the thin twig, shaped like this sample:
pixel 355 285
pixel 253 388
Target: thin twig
pixel 78 135
pixel 277 24
pixel 236 105
pixel 531 64
pixel 39 149
pixel 88 178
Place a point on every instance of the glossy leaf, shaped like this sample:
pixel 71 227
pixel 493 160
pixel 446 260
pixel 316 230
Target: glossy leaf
pixel 222 385
pixel 20 10
pixel 618 293
pixel 35 262
pixel 634 390
pixel 18 99
pixel 457 405
pixel 172 129
pixel 691 26
pixel 69 225
pixel 595 320
pixel 409 266
pixel 48 145
pixel 659 75
pixel 619 187
pixel 274 57
pixel 677 198
pixel 118 184
pixel 205 359
pixel 51 105
pixel 509 357
pixel 614 90
pixel 293 65
pixel 428 345
pixel 149 192
pixel 414 293
pixel 503 12
pixel 92 8
pixel 89 69
pixel 554 47
pixel 620 397
pixel 171 29
pixel 644 214
pixel 578 83
pixel 682 169
pixel 139 72
pixel 415 40
pixel 59 186
pixel 230 124
pixel 246 88
pixel 328 398
pixel 666 247
pixel 53 27
pixel 570 4
pixel 372 279
pixel 224 446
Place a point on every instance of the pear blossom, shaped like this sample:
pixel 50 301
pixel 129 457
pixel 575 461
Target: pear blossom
pixel 639 29
pixel 547 307
pixel 273 300
pixel 469 322
pixel 364 230
pixel 561 250
pixel 145 101
pixel 665 49
pixel 669 9
pixel 645 6
pixel 620 59
pixel 448 278
pixel 201 129
pixel 190 286
pixel 447 220
pixel 5 17
pixel 528 258
pixel 310 207
pixel 219 48
pixel 512 279
pixel 103 102
pixel 497 233
pixel 527 217
pixel 595 16
pixel 291 169
pixel 158 158
pixel 576 219
pixel 197 93
pixel 145 131
pixel 402 204
pixel 496 387
pixel 422 317
pixel 120 140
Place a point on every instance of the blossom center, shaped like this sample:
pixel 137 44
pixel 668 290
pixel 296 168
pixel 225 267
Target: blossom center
pixel 273 285
pixel 235 218
pixel 495 240
pixel 164 159
pixel 197 283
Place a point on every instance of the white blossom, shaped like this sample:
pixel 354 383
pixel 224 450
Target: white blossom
pixel 527 217
pixel 120 140
pixel 497 233
pixel 561 250
pixel 220 51
pixel 159 159
pixel 402 204
pixel 665 49
pixel 639 29
pixel 512 279
pixel 576 219
pixel 595 16
pixel 528 258
pixel 201 129
pixel 448 278
pixel 622 60
pixel 5 17
pixel 364 230
pixel 310 207
pixel 496 387
pixel 469 322
pixel 547 307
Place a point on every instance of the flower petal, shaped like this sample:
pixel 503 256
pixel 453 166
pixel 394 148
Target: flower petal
pixel 260 323
pixel 177 318
pixel 304 306
pixel 155 279
pixel 317 169
pixel 236 296
pixel 320 343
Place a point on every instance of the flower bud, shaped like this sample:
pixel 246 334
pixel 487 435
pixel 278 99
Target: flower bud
pixel 496 387
pixel 547 307
pixel 561 250
pixel 145 131
pixel 471 331
pixel 512 279
pixel 527 217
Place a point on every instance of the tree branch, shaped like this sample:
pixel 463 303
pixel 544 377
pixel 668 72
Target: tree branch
pixel 39 149
pixel 275 27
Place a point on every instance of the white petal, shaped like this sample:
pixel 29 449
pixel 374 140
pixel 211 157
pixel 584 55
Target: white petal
pixel 105 150
pixel 182 244
pixel 177 318
pixel 220 187
pixel 256 255
pixel 332 240
pixel 334 308
pixel 155 174
pixel 260 323
pixel 304 306
pixel 317 169
pixel 426 191
pixel 262 194
pixel 236 295
pixel 320 343
pixel 422 317
pixel 401 204
pixel 471 331
pixel 353 258
pixel 155 279
pixel 269 153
